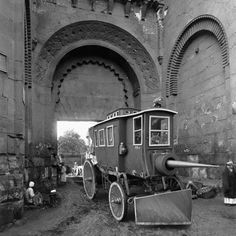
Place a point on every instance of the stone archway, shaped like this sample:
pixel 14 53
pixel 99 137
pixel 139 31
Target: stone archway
pixel 129 63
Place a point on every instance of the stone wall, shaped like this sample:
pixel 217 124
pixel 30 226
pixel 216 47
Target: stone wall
pixel 11 110
pixel 205 76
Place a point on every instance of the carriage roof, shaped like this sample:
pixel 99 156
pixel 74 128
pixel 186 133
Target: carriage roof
pixel 134 112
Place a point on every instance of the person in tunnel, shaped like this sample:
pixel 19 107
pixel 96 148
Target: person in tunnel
pixel 63 173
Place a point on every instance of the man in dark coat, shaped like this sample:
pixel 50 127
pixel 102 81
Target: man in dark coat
pixel 229 184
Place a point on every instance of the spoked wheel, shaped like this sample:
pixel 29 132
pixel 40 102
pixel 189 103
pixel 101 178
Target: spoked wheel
pixel 118 201
pixel 89 179
pixel 173 183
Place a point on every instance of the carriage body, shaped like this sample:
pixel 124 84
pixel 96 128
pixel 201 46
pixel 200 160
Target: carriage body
pixel 133 141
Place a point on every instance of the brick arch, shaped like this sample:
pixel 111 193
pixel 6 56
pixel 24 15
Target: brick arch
pixel 105 34
pixel 85 61
pixel 203 23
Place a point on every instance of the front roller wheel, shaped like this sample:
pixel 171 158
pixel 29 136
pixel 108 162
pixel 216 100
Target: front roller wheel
pixel 118 201
pixel 89 179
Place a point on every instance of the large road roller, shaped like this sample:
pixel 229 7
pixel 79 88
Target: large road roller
pixel 132 157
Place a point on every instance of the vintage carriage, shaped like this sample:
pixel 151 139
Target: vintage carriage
pixel 135 161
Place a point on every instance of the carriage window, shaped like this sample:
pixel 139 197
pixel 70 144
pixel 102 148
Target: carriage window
pixel 96 138
pixel 137 130
pixel 159 131
pixel 101 137
pixel 110 137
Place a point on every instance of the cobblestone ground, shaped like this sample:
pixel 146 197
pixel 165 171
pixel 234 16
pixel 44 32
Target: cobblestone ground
pixel 76 216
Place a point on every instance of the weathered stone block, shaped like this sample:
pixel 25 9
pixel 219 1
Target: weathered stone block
pixel 21 161
pixel 4 186
pixel 13 162
pixel 3 192
pixel 19 126
pixel 3 63
pixel 2 77
pixel 11 108
pixel 4 167
pixel 11 145
pixel 11 187
pixel 8 89
pixel 3 143
pixel 4 125
pixel 3 106
pixel 17 180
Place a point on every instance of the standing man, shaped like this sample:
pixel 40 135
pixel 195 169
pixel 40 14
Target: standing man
pixel 63 173
pixel 229 184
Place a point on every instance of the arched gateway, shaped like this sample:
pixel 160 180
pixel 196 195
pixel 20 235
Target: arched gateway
pixel 87 69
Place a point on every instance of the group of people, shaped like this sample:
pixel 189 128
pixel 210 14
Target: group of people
pixel 35 198
pixel 77 170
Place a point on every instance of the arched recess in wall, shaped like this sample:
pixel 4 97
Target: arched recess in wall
pixel 98 34
pixel 198 25
pixel 121 77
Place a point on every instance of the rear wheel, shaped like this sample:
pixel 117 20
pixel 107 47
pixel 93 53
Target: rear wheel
pixel 89 179
pixel 118 201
